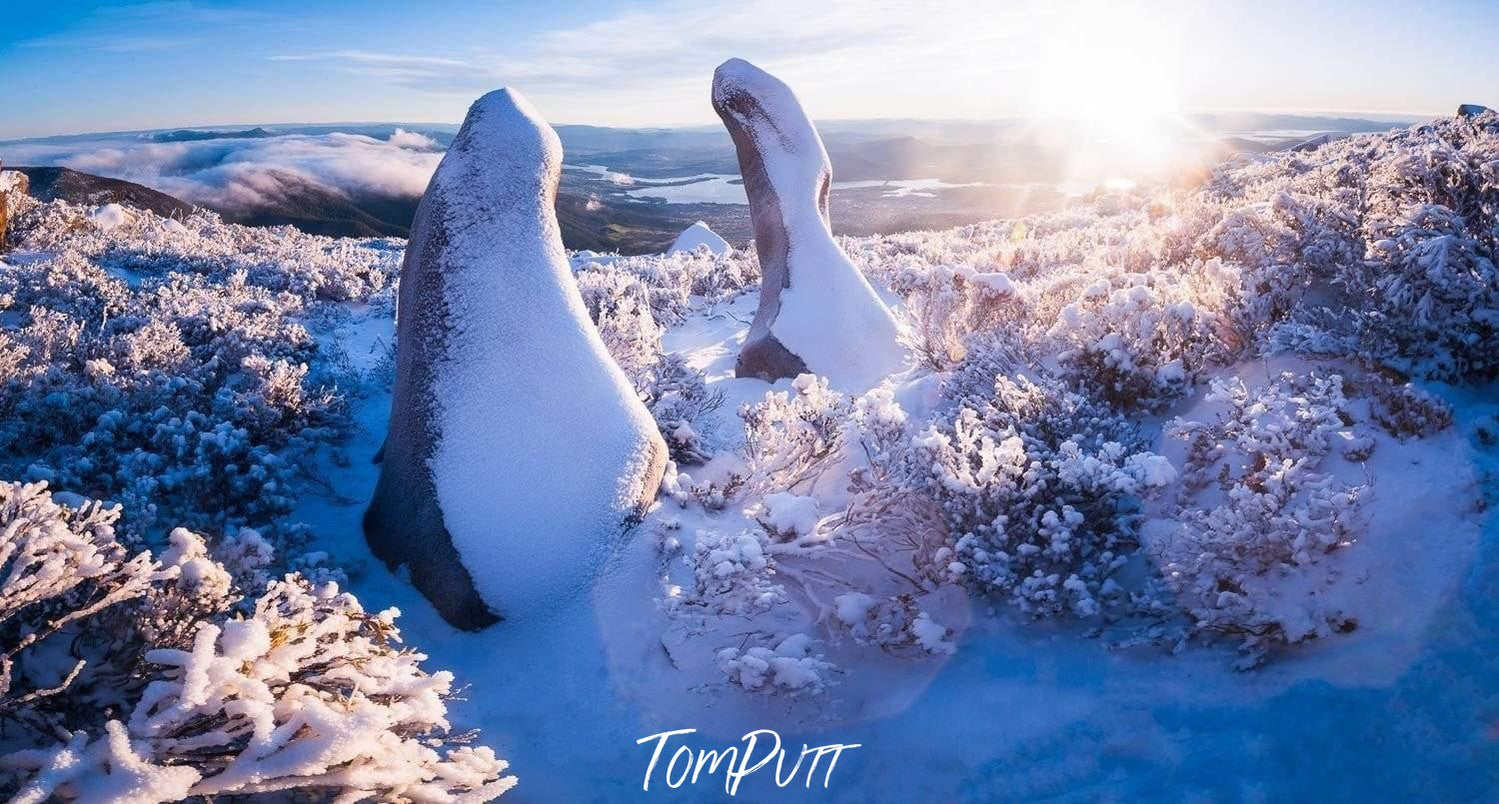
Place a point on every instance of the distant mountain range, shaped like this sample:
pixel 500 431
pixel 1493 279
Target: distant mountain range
pixel 628 190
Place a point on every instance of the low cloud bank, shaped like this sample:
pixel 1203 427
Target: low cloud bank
pixel 246 174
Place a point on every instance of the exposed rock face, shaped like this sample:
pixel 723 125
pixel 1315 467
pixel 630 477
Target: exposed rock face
pixel 517 450
pixel 13 185
pixel 1471 110
pixel 817 312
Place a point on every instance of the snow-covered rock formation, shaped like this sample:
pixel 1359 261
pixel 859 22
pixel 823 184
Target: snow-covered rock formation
pixel 1471 110
pixel 517 448
pixel 817 312
pixel 699 234
pixel 13 184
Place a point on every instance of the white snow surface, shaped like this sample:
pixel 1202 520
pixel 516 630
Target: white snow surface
pixel 699 234
pixel 532 511
pixel 830 316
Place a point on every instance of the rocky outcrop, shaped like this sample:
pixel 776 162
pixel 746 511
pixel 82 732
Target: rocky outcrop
pixel 13 185
pixel 517 450
pixel 817 312
pixel 1471 110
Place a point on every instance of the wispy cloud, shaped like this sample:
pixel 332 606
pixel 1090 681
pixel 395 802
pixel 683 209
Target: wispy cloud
pixel 660 57
pixel 427 73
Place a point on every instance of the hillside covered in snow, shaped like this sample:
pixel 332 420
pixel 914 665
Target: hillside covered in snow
pixel 1185 486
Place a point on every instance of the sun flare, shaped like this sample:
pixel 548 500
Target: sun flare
pixel 1110 75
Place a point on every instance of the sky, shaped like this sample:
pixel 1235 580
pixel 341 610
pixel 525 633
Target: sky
pixel 76 67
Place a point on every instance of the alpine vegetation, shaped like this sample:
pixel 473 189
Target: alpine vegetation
pixel 493 509
pixel 817 312
pixel 1165 469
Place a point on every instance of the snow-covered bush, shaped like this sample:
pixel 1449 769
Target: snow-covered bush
pixel 944 305
pixel 896 623
pixel 1275 512
pixel 1038 487
pixel 683 406
pixel 789 668
pixel 1142 340
pixel 733 573
pixel 1405 411
pixel 1428 295
pixel 791 436
pixel 620 306
pixel 280 259
pixel 145 680
pixel 673 281
pixel 187 395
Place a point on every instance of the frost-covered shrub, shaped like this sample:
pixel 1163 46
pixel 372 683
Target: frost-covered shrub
pixel 791 436
pixel 789 668
pixel 187 391
pixel 146 680
pixel 1277 512
pixel 733 573
pixel 280 259
pixel 620 306
pixel 944 305
pixel 683 406
pixel 1142 340
pixel 1037 486
pixel 895 624
pixel 60 565
pixel 671 282
pixel 1405 411
pixel 1428 296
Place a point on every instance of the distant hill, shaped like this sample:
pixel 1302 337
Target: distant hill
pixel 65 184
pixel 587 223
pixel 193 135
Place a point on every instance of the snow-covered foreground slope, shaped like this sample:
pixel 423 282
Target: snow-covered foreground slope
pixel 1017 710
pixel 1185 494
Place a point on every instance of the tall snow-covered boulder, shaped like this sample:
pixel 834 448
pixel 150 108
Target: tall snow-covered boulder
pixel 517 450
pixel 817 312
pixel 1471 110
pixel 13 185
pixel 699 234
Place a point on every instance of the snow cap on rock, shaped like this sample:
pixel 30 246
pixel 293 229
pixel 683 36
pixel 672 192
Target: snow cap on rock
pixel 699 234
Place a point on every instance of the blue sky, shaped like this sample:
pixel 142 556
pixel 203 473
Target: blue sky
pixel 75 67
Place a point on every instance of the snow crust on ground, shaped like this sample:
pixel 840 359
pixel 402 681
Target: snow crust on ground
pixel 699 234
pixel 532 512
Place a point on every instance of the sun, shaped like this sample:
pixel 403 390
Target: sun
pixel 1110 74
